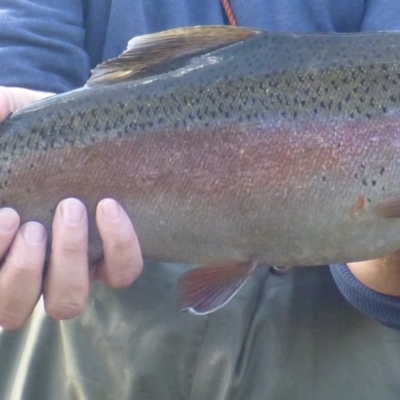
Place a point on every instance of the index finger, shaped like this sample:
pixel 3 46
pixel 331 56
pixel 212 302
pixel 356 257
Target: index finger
pixel 12 98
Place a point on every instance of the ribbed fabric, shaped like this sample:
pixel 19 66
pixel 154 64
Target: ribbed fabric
pixel 383 308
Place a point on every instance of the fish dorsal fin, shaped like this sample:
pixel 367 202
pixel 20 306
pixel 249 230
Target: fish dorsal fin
pixel 156 53
pixel 204 290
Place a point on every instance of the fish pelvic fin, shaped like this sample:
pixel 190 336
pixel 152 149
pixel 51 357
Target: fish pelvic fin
pixel 204 290
pixel 156 53
pixel 388 208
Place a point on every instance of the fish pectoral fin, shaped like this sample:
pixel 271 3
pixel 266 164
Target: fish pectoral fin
pixel 156 53
pixel 206 289
pixel 388 208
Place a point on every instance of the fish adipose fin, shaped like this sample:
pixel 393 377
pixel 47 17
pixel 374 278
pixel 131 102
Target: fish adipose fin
pixel 156 53
pixel 388 208
pixel 204 290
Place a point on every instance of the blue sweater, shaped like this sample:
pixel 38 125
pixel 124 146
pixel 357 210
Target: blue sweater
pixel 51 45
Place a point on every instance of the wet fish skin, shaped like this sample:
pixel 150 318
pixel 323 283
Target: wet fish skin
pixel 277 148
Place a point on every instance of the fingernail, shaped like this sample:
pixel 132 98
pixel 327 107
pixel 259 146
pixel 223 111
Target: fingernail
pixel 110 208
pixel 9 219
pixel 33 232
pixel 72 211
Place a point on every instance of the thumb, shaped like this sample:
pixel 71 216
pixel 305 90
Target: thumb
pixel 12 98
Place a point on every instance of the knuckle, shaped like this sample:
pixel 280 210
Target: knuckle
pixel 11 321
pixel 124 275
pixel 24 270
pixel 70 248
pixel 61 309
pixel 69 304
pixel 122 247
pixel 119 282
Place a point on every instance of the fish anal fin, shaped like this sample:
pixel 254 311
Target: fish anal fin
pixel 204 290
pixel 156 53
pixel 388 208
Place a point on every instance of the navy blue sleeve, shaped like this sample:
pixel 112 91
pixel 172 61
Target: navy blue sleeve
pixel 41 44
pixel 383 308
pixel 381 15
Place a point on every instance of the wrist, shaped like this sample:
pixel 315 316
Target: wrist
pixel 381 275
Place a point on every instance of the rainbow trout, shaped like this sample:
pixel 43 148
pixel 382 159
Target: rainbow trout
pixel 229 148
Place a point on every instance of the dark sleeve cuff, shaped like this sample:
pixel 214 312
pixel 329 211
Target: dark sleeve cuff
pixel 383 308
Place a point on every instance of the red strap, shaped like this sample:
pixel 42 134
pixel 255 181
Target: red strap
pixel 229 12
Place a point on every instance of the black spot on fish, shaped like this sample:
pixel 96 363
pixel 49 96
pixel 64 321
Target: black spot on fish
pixel 373 183
pixel 382 170
pixel 364 182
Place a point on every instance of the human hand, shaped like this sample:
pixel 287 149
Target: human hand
pixel 66 285
pixel 12 98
